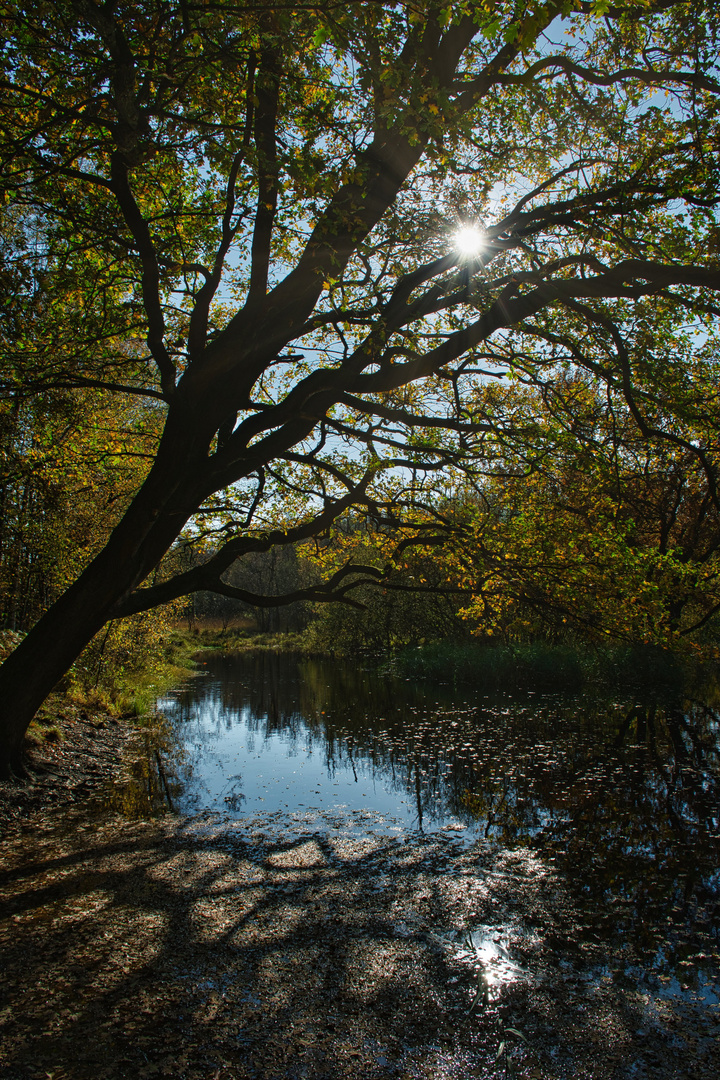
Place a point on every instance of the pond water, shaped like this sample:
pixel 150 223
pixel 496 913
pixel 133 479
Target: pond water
pixel 621 796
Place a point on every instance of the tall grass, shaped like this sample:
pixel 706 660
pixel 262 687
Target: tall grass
pixel 543 666
pixel 493 666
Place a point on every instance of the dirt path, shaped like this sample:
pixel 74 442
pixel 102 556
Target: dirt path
pixel 194 949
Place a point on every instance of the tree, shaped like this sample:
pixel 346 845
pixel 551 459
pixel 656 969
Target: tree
pixel 70 461
pixel 244 216
pixel 588 528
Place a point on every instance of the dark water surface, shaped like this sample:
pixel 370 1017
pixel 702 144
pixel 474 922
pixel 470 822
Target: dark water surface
pixel 621 796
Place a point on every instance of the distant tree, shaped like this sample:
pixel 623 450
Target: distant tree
pixel 268 575
pixel 296 231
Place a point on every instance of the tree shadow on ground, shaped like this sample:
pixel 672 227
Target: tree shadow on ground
pixel 157 949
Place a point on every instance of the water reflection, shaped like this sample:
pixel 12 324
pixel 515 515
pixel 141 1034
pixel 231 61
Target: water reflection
pixel 487 950
pixel 624 796
pixel 151 784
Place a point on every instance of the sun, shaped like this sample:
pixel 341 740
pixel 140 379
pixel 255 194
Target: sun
pixel 469 240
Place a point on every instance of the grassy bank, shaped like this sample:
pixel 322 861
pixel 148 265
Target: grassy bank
pixel 245 639
pixel 127 691
pixel 542 666
pixel 131 690
pixel 538 666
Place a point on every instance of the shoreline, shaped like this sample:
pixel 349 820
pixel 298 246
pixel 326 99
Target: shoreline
pixel 82 757
pixel 201 949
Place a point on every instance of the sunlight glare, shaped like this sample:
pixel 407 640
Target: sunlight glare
pixel 469 240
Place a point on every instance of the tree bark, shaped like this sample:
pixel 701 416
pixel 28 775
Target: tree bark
pixel 151 524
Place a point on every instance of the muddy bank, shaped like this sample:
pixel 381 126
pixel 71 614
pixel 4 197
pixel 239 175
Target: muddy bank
pixel 74 760
pixel 196 949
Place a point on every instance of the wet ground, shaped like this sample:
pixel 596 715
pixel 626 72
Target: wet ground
pixel 191 950
pixel 552 919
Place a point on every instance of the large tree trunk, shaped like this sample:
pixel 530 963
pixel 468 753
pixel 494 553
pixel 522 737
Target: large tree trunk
pixel 149 527
pixel 42 658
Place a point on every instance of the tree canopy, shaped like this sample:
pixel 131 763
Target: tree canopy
pixel 299 241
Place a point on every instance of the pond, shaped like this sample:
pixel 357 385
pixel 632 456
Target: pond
pixel 622 797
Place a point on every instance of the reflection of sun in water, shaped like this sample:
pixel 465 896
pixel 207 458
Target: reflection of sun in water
pixel 486 949
pixel 469 240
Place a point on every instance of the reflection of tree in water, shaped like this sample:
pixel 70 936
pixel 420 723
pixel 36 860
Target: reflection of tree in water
pixel 625 797
pixel 631 816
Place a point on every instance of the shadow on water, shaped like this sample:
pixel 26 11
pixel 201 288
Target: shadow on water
pixel 621 796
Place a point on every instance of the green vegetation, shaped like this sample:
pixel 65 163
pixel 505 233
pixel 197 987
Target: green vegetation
pixel 126 684
pixel 248 639
pixel 539 666
pixel 546 667
pixel 247 349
